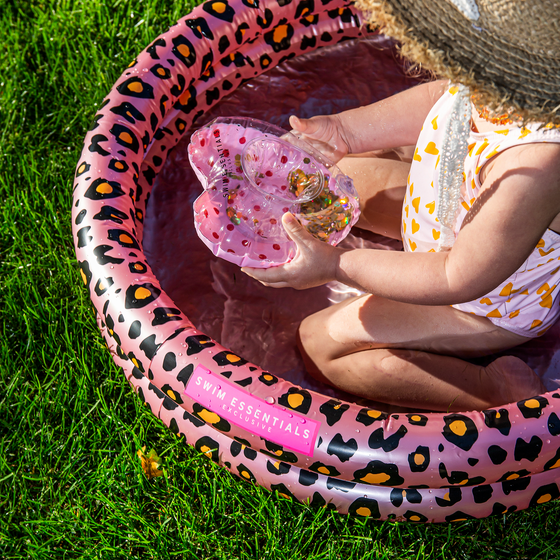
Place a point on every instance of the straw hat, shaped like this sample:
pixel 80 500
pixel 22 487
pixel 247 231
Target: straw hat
pixel 506 51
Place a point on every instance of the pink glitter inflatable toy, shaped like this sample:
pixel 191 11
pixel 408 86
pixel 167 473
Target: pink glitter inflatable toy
pixel 252 173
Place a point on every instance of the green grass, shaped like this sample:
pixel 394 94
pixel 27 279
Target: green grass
pixel 71 484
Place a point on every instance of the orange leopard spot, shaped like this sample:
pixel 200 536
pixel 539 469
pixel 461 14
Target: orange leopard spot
pixel 295 400
pixel 142 293
pixel 280 33
pixel 136 87
pixel 104 188
pixel 378 478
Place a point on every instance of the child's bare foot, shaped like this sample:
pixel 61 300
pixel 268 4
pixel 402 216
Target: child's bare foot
pixel 513 380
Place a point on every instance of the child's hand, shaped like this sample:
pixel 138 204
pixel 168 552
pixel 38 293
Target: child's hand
pixel 324 133
pixel 314 264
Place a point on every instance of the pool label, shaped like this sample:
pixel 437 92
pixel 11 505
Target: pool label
pixel 272 422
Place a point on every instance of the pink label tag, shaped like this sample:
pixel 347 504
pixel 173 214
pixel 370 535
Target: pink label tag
pixel 274 423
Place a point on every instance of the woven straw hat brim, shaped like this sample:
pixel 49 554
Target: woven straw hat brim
pixel 513 67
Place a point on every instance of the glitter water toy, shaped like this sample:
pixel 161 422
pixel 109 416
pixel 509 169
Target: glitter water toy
pixel 253 172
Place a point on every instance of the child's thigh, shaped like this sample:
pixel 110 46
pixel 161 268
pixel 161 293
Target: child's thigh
pixel 369 322
pixel 381 185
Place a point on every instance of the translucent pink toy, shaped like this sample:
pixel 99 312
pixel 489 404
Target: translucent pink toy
pixel 253 172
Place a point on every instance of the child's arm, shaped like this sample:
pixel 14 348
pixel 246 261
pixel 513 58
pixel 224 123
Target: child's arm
pixel 521 198
pixel 390 123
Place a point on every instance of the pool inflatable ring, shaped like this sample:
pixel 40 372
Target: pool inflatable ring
pixel 315 449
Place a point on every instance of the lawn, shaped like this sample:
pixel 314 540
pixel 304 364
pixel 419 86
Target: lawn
pixel 71 481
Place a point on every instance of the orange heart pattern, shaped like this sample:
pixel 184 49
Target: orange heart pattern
pixel 527 302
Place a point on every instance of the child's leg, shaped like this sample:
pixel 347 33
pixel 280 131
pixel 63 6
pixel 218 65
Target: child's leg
pixel 381 184
pixel 410 355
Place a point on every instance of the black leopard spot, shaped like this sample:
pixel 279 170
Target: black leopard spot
pixel 183 49
pixel 174 427
pixel 415 517
pixel 365 507
pixel 82 168
pixel 398 495
pixel 102 285
pixel 187 101
pixel 307 478
pixel 102 189
pixel 304 8
pixel 283 491
pixel 278 468
pixel 553 424
pixel 140 295
pixel 268 379
pixel 458 516
pixel 240 32
pixel 211 418
pixel 279 37
pixel 227 358
pixel 321 468
pixel 450 498
pixel 85 272
pixel 172 393
pixel 109 213
pixel 80 217
pixel 368 416
pixel 212 95
pixel 333 411
pixel 135 330
pixel 419 460
pixel 533 407
pixel 498 419
pixel 152 49
pixel 417 419
pixel 169 361
pixel 342 485
pixel 138 268
pixel 482 494
pixel 265 21
pixel 220 9
pixel 95 147
pixel 83 238
pixel 515 481
pixel 123 238
pixel 160 72
pixel 278 452
pixel 344 450
pixel 545 494
pixel 317 501
pixel 459 478
pixel 129 112
pixel 244 382
pixel 460 430
pixel 180 125
pixel 529 450
pixel 345 14
pixel 125 137
pixel 377 441
pixel 308 43
pixel 251 3
pixel 135 87
pixel 472 461
pixel 163 315
pixel 296 399
pixel 149 346
pixel 196 422
pixel 499 509
pixel 209 447
pixel 497 454
pixel 379 474
pixel 154 121
pixel 554 463
pixel 200 28
pixel 265 61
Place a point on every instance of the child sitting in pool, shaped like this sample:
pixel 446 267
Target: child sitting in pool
pixel 426 311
